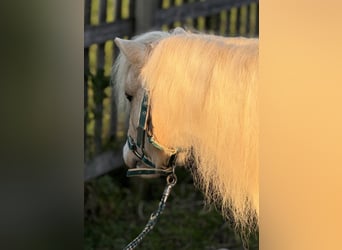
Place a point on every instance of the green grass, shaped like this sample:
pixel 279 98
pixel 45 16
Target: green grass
pixel 117 209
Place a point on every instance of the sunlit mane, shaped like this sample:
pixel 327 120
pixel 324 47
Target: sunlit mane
pixel 203 92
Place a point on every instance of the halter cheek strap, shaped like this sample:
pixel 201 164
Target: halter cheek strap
pixel 138 147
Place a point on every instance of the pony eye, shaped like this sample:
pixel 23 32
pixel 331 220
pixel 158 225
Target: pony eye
pixel 129 97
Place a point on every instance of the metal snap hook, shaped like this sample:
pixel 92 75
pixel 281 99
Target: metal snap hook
pixel 171 179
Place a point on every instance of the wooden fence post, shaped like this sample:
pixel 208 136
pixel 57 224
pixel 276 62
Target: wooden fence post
pixel 144 15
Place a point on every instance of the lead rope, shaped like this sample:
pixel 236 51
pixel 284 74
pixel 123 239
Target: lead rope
pixel 171 180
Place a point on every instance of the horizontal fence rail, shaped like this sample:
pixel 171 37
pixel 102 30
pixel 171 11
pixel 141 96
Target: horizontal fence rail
pixel 107 31
pixel 103 163
pixel 196 9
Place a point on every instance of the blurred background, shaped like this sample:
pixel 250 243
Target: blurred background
pixel 116 208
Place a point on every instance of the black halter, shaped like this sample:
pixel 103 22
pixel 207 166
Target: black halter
pixel 138 147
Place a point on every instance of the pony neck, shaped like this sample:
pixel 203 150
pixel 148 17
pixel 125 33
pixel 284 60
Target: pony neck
pixel 204 96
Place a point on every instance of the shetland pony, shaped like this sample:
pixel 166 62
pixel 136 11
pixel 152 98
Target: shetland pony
pixel 203 100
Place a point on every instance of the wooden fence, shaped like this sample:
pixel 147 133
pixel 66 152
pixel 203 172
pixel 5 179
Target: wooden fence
pixel 104 125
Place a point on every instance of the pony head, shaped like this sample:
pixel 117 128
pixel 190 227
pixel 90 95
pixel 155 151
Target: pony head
pixel 203 100
pixel 127 72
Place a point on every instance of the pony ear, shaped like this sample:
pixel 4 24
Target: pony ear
pixel 133 50
pixel 178 31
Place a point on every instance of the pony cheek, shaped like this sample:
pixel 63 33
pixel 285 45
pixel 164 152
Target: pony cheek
pixel 129 158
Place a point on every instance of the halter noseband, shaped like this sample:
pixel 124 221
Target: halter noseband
pixel 138 147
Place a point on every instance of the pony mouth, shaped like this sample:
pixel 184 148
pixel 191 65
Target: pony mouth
pixel 139 164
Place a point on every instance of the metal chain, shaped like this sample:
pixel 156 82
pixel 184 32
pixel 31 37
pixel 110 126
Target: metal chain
pixel 171 181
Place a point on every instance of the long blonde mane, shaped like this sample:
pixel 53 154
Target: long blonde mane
pixel 203 92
